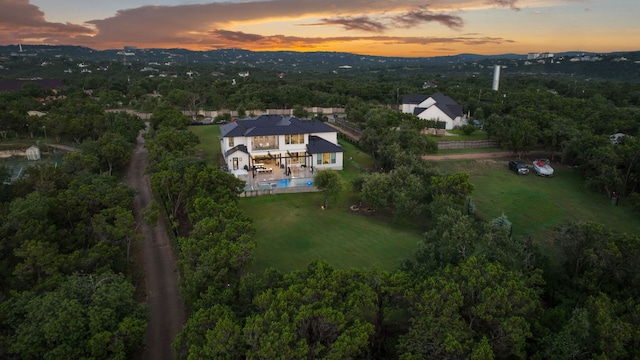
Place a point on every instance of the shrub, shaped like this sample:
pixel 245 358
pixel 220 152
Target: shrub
pixel 467 129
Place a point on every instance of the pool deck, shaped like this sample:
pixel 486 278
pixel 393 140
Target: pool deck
pixel 256 183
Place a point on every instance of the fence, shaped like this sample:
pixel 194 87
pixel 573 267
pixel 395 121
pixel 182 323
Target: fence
pixel 274 191
pixel 468 144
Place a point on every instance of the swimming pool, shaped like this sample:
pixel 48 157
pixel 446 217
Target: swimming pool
pixel 282 183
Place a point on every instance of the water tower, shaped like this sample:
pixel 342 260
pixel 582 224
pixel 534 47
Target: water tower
pixel 496 78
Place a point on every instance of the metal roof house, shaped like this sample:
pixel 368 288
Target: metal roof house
pixel 275 143
pixel 434 107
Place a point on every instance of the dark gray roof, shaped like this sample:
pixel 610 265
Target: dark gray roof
pixel 414 98
pixel 443 102
pixel 273 125
pixel 318 145
pixel 241 148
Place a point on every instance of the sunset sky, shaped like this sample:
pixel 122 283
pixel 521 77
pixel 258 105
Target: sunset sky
pixel 408 28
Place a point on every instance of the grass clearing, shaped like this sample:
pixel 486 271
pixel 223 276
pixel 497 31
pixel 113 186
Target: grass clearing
pixel 465 151
pixel 209 147
pixel 536 205
pixel 292 230
pixel 459 135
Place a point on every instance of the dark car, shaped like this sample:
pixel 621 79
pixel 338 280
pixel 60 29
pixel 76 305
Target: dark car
pixel 518 167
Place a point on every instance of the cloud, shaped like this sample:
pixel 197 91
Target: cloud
pixel 258 42
pixel 214 25
pixel 411 18
pixel 504 3
pixel 363 23
pixel 19 20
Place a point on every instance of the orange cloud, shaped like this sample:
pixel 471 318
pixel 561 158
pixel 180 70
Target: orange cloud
pixel 21 20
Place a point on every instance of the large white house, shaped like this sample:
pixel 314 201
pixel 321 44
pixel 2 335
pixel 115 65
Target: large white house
pixel 271 143
pixel 438 107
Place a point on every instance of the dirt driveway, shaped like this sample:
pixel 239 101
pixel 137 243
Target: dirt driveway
pixel 166 310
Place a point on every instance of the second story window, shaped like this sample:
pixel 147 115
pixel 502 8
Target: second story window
pixel 294 139
pixel 231 142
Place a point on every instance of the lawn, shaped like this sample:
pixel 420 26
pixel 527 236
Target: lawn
pixel 292 230
pixel 466 151
pixel 536 205
pixel 460 136
pixel 209 147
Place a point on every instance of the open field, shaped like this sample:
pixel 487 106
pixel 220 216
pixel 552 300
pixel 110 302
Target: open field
pixel 458 135
pixel 209 147
pixel 292 230
pixel 536 205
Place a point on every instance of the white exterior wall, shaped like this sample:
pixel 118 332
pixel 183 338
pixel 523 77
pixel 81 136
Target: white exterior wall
pixel 408 108
pixel 434 113
pixel 336 166
pixel 292 147
pixel 243 159
pixel 427 103
pixel 331 137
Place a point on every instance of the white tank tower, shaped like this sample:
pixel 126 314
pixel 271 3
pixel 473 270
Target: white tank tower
pixel 496 78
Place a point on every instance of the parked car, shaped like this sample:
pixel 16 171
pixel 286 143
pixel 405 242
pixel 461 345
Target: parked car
pixel 518 167
pixel 543 167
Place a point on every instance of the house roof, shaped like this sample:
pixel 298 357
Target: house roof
pixel 12 85
pixel 242 148
pixel 414 98
pixel 318 145
pixel 273 125
pixel 446 104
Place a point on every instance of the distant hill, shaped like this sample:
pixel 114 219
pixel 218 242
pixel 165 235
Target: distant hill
pixel 336 62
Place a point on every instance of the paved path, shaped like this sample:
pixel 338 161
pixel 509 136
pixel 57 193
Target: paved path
pixel 166 310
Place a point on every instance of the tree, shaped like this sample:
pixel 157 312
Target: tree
pixel 86 316
pixel 457 186
pixel 211 333
pixel 319 313
pixel 329 183
pixel 455 310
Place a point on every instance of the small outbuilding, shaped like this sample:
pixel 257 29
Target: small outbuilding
pixel 33 153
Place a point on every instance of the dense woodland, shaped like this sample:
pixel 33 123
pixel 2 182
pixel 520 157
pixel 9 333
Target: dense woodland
pixel 67 233
pixel 470 291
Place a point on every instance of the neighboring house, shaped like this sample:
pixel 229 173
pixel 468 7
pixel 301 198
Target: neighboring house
pixel 280 142
pixel 616 138
pixel 437 107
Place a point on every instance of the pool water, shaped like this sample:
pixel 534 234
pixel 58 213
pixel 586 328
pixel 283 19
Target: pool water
pixel 284 183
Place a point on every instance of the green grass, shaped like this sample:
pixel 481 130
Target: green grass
pixel 460 136
pixel 355 161
pixel 292 230
pixel 465 151
pixel 209 147
pixel 536 205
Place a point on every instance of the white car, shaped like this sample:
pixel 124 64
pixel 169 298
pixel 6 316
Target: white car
pixel 542 167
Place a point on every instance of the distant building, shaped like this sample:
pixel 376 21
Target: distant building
pixel 130 48
pixel 438 107
pixel 536 56
pixel 33 153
